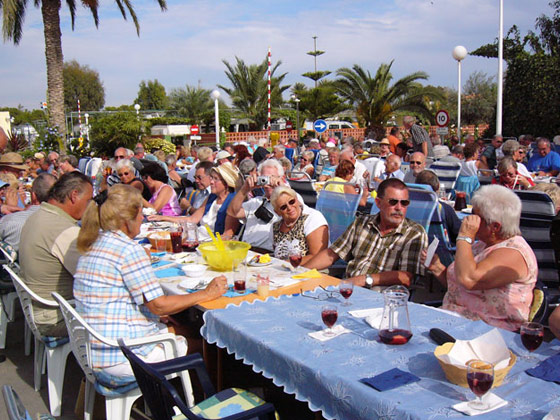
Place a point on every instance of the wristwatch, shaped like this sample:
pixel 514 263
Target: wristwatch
pixel 369 282
pixel 465 238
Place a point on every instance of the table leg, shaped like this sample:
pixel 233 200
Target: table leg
pixel 220 369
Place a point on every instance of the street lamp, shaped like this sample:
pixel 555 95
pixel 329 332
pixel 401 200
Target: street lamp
pixel 216 95
pixel 459 53
pixel 297 101
pixel 500 70
pixel 137 108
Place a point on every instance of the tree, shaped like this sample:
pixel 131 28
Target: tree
pixel 316 75
pixel 151 95
pixel 109 131
pixel 250 87
pixel 13 14
pixel 375 99
pixel 531 96
pixel 479 99
pixel 193 103
pixel 81 82
pixel 319 102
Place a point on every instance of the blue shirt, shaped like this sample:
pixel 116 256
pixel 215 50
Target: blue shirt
pixel 550 162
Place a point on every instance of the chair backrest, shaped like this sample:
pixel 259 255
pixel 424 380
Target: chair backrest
pixel 14 406
pixel 447 172
pixel 405 167
pixel 298 175
pixel 159 395
pixel 537 212
pixel 423 203
pixel 485 176
pixel 306 190
pixel 9 253
pixel 289 153
pixel 79 333
pixel 338 208
pixel 26 298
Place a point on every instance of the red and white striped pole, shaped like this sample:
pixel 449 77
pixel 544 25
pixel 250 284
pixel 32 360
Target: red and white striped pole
pixel 269 71
pixel 80 117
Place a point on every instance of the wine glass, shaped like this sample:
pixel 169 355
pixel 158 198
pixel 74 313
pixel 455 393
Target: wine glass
pixel 345 288
pixel 295 257
pixel 329 314
pixel 532 334
pixel 480 376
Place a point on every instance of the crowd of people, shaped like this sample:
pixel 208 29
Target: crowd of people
pixel 75 227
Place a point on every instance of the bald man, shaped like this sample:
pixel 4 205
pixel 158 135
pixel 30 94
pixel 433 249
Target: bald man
pixel 417 164
pixel 392 170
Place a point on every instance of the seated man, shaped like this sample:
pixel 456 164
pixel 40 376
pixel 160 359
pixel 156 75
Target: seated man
pixel 545 162
pixel 47 250
pixel 381 249
pixel 195 198
pixel 417 164
pixel 392 170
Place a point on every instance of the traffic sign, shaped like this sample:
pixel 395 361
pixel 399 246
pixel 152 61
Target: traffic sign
pixel 442 131
pixel 320 126
pixel 442 118
pixel 194 130
pixel 289 126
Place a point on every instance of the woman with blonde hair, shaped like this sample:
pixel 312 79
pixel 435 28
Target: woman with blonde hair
pixel 115 288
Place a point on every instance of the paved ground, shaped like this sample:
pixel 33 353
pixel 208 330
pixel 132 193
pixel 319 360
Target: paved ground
pixel 17 371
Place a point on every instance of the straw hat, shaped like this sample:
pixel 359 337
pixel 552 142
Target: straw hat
pixel 229 174
pixel 12 160
pixel 385 141
pixel 223 154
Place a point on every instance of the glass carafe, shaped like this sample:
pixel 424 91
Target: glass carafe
pixel 395 324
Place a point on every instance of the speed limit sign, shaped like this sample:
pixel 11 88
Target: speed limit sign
pixel 442 118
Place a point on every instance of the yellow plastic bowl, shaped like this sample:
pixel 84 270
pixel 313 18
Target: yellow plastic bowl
pixel 235 252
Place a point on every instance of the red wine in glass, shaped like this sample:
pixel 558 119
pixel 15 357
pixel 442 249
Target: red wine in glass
pixel 239 286
pixel 295 260
pixel 346 293
pixel 396 336
pixel 176 242
pixel 329 317
pixel 190 246
pixel 480 382
pixel 532 339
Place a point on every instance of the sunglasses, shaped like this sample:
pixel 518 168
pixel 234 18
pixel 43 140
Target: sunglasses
pixel 393 202
pixel 290 203
pixel 124 173
pixel 415 162
pixel 120 157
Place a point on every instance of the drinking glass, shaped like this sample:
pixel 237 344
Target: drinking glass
pixel 190 237
pixel 532 334
pixel 480 376
pixel 345 288
pixel 176 239
pixel 295 257
pixel 329 314
pixel 161 244
pixel 239 275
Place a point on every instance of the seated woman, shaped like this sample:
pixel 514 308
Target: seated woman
pixel 125 170
pixel 175 179
pixel 344 173
pixel 164 198
pixel 115 287
pixel 509 177
pixel 305 164
pixel 492 279
pixel 224 180
pixel 309 232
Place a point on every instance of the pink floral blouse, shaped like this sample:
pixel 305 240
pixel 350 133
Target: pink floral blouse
pixel 504 307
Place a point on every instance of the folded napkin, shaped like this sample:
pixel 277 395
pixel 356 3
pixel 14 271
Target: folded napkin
pixel 492 400
pixel 232 293
pixel 158 254
pixel 390 379
pixel 364 313
pixel 161 263
pixel 547 370
pixel 311 274
pixel 337 330
pixel 169 272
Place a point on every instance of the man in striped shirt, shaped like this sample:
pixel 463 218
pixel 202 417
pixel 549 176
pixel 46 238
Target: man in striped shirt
pixel 381 249
pixel 420 140
pixel 11 224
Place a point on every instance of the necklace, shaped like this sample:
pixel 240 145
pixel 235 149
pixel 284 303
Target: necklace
pixel 291 225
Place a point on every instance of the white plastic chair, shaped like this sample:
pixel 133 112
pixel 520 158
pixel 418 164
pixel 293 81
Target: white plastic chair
pixel 55 356
pixel 117 407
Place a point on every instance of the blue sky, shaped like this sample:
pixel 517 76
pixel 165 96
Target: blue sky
pixel 187 43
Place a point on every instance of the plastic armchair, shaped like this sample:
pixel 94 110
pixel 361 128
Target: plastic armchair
pixel 54 351
pixel 118 400
pixel 161 397
pixel 338 208
pixel 15 408
pixel 306 190
pixel 8 297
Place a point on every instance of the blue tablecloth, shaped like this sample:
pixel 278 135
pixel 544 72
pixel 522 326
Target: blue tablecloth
pixel 272 336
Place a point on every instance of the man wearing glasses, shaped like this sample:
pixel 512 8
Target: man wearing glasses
pixel 417 164
pixel 545 162
pixel 489 158
pixel 196 198
pixel 381 249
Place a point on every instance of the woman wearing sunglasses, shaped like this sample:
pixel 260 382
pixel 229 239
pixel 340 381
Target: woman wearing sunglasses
pixel 308 232
pixel 306 164
pixel 126 171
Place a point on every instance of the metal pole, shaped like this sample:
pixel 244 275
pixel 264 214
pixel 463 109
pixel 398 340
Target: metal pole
pixel 297 119
pixel 500 70
pixel 217 118
pixel 459 100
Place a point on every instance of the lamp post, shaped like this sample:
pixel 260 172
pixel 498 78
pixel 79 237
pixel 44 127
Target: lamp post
pixel 500 70
pixel 137 108
pixel 297 101
pixel 216 95
pixel 459 53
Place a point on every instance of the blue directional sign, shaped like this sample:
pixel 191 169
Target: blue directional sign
pixel 320 126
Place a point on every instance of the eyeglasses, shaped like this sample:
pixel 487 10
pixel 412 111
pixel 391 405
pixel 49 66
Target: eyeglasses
pixel 393 202
pixel 120 157
pixel 199 177
pixel 415 162
pixel 325 295
pixel 290 203
pixel 124 173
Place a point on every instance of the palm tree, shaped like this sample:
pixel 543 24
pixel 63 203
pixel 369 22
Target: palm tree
pixel 375 100
pixel 194 103
pixel 12 28
pixel 249 92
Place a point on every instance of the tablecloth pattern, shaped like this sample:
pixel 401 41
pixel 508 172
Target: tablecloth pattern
pixel 272 337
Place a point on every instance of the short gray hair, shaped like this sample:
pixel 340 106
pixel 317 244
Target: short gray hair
pixel 42 185
pixel 309 155
pixel 70 181
pixel 506 163
pixel 71 159
pixel 280 147
pixel 262 142
pixel 409 119
pixel 204 154
pixel 498 204
pixel 510 147
pixel 279 191
pixel 271 163
pixel 125 163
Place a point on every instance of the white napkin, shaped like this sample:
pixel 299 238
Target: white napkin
pixel 492 400
pixel 364 313
pixel 337 330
